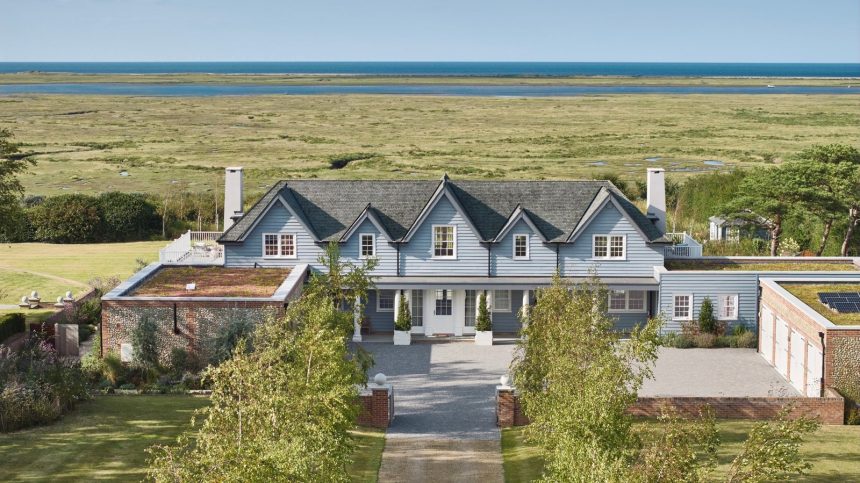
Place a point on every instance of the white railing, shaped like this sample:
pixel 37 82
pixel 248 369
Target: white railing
pixel 193 248
pixel 684 246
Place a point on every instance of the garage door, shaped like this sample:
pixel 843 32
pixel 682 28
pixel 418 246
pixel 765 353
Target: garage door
pixel 796 360
pixel 814 363
pixel 781 347
pixel 766 334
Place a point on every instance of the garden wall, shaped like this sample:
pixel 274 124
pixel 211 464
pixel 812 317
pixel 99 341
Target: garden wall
pixel 829 409
pixel 189 325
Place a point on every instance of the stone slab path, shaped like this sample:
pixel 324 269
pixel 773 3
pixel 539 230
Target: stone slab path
pixel 444 402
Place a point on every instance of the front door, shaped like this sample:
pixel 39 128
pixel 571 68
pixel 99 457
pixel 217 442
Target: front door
pixel 442 318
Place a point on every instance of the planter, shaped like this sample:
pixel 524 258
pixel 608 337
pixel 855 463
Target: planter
pixel 483 337
pixel 402 337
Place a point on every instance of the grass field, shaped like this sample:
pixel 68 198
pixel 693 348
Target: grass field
pixel 106 440
pixel 834 452
pixel 150 144
pixel 52 269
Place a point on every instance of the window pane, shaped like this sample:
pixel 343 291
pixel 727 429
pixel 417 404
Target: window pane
pixel 417 308
pixel 386 299
pixel 502 300
pixel 288 245
pixel 270 245
pixel 616 247
pixel 471 306
pixel 367 247
pixel 617 300
pixel 443 241
pixel 636 300
pixel 521 246
pixel 600 246
pixel 682 307
pixel 443 303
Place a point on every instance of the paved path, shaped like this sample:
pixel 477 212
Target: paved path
pixel 444 401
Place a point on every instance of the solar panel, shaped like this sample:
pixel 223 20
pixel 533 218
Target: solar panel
pixel 842 302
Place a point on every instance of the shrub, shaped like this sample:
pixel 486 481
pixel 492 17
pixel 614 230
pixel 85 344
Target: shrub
pixel 127 387
pixel 705 340
pixel 404 316
pixel 483 322
pixel 144 339
pixel 11 324
pixel 707 321
pixel 228 338
pixel 141 374
pixel 740 329
pixel 114 370
pixel 789 247
pixel 684 342
pixel 128 216
pixel 178 360
pixel 73 218
pixel 89 312
pixel 747 340
pixel 725 341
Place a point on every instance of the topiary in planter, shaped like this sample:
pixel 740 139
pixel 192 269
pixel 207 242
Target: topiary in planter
pixel 707 321
pixel 483 323
pixel 404 316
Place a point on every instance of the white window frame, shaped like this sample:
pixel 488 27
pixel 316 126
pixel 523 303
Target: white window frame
pixel 280 245
pixel 627 309
pixel 689 306
pixel 496 307
pixel 361 254
pixel 379 298
pixel 721 315
pixel 514 252
pixel 608 255
pixel 433 243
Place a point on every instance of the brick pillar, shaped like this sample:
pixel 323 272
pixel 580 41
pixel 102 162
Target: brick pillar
pixel 505 406
pixel 381 407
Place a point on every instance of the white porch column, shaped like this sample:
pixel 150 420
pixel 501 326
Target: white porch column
pixel 397 301
pixel 490 302
pixel 526 300
pixel 356 319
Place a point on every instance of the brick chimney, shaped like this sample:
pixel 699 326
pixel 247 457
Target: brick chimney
pixel 657 197
pixel 233 196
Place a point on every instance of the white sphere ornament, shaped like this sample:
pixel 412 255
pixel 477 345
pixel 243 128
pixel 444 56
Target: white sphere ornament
pixel 60 299
pixel 69 294
pixel 379 378
pixel 34 295
pixel 24 299
pixel 505 380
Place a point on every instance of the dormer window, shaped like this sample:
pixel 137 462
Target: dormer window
pixel 609 247
pixel 444 241
pixel 367 246
pixel 521 247
pixel 279 245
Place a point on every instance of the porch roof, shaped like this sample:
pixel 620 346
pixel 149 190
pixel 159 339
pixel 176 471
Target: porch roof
pixel 507 283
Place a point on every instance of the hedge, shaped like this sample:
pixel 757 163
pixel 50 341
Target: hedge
pixel 11 324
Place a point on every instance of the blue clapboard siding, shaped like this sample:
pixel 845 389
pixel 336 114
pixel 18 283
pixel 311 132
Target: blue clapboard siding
pixel 509 321
pixel 541 260
pixel 576 258
pixel 277 220
pixel 713 283
pixel 417 255
pixel 386 253
pixel 626 322
pixel 379 321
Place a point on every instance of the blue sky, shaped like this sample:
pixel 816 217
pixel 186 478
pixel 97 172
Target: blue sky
pixel 453 30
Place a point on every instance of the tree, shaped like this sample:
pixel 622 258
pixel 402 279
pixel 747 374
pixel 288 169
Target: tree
pixel 282 412
pixel 404 316
pixel 844 164
pixel 707 321
pixel 127 216
pixel 576 378
pixel 683 450
pixel 483 321
pixel 144 339
pixel 11 189
pixel 772 450
pixel 765 196
pixel 72 218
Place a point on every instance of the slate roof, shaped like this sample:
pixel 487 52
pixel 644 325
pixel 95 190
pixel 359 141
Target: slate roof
pixel 329 207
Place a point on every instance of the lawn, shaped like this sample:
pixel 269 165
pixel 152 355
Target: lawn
pixel 834 452
pixel 155 144
pixel 808 294
pixel 106 439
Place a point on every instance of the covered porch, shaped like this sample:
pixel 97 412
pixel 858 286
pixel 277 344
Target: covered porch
pixel 447 306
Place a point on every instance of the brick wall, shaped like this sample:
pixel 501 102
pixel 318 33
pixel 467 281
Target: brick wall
pixel 829 409
pixel 63 315
pixel 194 329
pixel 377 409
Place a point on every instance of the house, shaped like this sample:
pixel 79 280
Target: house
pixel 732 230
pixel 439 244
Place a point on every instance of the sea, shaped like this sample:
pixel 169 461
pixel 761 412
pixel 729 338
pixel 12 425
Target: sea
pixel 428 69
pixel 550 69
